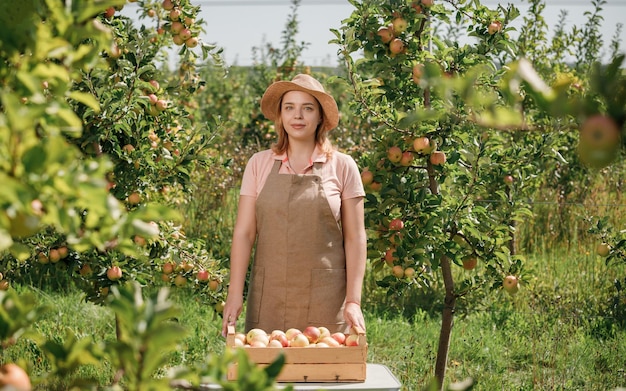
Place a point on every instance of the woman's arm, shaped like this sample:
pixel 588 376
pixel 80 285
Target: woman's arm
pixel 355 245
pixel 244 235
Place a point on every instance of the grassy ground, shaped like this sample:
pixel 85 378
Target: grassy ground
pixel 565 330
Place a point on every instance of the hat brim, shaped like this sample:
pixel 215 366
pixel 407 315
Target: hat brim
pixel 272 97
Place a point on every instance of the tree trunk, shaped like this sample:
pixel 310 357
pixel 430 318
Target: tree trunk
pixel 446 322
pixel 449 300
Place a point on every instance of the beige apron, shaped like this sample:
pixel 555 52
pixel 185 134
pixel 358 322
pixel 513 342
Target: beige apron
pixel 299 269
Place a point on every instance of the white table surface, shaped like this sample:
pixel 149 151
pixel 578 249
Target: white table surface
pixel 377 378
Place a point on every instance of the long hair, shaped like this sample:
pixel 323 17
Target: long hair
pixel 321 136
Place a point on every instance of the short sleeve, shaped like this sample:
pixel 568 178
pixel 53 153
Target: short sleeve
pixel 250 177
pixel 352 184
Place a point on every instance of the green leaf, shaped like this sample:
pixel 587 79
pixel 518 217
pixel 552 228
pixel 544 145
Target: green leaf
pixel 86 99
pixel 20 251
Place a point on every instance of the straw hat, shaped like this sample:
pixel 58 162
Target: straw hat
pixel 272 96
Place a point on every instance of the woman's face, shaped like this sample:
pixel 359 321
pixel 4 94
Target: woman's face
pixel 300 114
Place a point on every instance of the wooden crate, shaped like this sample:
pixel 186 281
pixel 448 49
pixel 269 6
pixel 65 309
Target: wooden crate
pixel 310 364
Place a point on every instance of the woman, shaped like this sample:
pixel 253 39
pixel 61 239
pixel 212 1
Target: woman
pixel 301 202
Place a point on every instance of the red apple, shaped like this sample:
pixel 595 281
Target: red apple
pixel 85 270
pixel 312 333
pixel 352 340
pixel 437 158
pixel 299 341
pixel 175 14
pixel 134 198
pixel 394 154
pixel 396 46
pixel 109 13
pixel 63 252
pixel 494 27
pixel 469 262
pixel 385 34
pixel 508 179
pixel 329 341
pixel 280 336
pixel 339 337
pixel 291 333
pixel 191 42
pixel 407 158
pixel 367 177
pixel 428 3
pixel 167 5
pixel 409 272
pixel 54 255
pixel 599 141
pixel 114 273
pixel 4 285
pixel 203 275
pixel 42 258
pixel 421 144
pixel 390 256
pixel 396 224
pixel 324 332
pixel 161 105
pixel 176 27
pixel 417 73
pixel 510 284
pixel 185 34
pixel 168 268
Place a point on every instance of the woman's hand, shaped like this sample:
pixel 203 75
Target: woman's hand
pixel 353 315
pixel 232 309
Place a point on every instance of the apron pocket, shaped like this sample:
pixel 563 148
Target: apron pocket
pixel 328 291
pixel 255 294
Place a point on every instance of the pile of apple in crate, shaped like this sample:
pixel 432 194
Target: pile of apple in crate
pixel 311 355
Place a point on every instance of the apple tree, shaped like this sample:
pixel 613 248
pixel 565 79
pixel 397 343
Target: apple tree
pixel 100 139
pixel 465 124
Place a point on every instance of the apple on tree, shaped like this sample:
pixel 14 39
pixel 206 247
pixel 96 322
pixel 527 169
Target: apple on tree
pixel 407 159
pixel 399 25
pixel 396 224
pixel 494 27
pixel 437 158
pixel 510 284
pixel 114 273
pixel 394 154
pixel 397 46
pixel 469 262
pixel 603 249
pixel 417 73
pixel 421 145
pixel 385 34
pixel 367 177
pixel 599 141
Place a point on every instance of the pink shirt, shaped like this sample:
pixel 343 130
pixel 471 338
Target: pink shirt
pixel 341 178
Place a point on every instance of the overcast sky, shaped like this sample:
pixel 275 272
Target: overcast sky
pixel 239 25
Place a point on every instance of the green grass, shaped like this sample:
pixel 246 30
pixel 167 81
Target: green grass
pixel 565 330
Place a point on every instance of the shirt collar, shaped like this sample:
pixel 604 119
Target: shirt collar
pixel 317 157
